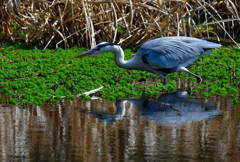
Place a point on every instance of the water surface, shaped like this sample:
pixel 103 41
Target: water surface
pixel 170 127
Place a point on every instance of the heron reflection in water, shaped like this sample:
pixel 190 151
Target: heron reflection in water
pixel 174 107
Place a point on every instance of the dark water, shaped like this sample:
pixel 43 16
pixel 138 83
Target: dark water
pixel 172 127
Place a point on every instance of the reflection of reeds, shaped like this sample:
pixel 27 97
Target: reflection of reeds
pixel 130 22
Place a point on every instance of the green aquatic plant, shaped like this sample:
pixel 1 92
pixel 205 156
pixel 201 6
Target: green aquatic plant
pixel 220 72
pixel 31 75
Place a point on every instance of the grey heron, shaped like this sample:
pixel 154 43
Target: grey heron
pixel 160 56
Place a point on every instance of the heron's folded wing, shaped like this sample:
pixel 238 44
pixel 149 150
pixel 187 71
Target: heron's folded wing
pixel 170 54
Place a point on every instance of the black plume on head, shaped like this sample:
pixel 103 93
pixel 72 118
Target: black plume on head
pixel 110 44
pixel 106 44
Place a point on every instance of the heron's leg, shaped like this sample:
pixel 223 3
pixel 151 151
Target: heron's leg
pixel 199 79
pixel 156 81
pixel 165 81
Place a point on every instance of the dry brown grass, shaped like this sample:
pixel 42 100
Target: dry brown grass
pixel 130 22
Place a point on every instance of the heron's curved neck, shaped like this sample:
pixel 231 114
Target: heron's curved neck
pixel 119 59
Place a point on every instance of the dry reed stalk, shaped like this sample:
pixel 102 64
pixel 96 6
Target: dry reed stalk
pixel 130 22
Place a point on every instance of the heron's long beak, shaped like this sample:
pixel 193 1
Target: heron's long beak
pixel 88 53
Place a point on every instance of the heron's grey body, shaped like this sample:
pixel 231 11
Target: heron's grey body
pixel 171 54
pixel 161 56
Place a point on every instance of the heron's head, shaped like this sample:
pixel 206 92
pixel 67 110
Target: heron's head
pixel 99 49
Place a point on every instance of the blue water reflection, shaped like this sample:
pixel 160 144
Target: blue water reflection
pixel 169 108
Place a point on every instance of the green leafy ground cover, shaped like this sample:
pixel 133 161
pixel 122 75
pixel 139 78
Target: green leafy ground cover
pixel 31 75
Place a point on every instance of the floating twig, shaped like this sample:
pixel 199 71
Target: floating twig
pixel 86 93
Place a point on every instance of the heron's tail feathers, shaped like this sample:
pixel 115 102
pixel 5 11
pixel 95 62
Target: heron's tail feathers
pixel 210 44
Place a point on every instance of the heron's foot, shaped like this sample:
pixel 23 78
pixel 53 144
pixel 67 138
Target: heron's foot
pixel 199 81
pixel 165 82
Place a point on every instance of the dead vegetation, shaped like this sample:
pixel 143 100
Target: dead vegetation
pixel 130 22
